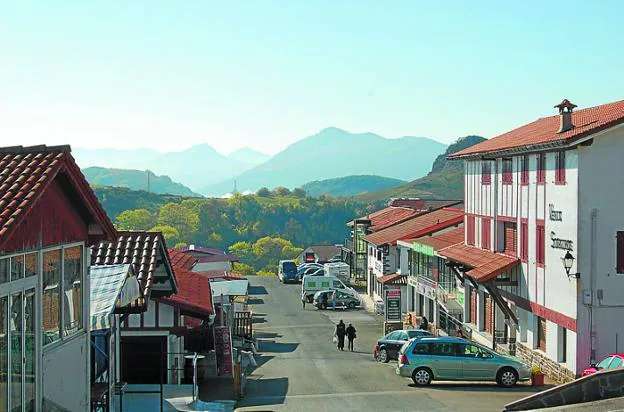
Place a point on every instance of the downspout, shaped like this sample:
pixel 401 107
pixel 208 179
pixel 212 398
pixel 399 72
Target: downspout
pixel 495 214
pixel 592 275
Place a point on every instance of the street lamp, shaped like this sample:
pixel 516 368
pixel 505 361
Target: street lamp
pixel 568 261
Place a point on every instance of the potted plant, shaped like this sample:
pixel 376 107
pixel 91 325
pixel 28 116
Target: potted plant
pixel 537 377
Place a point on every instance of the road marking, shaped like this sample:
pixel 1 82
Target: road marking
pixel 331 395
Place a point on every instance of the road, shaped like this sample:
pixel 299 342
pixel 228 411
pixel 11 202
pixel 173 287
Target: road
pixel 300 369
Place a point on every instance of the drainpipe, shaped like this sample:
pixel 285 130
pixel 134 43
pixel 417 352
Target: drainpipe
pixel 592 275
pixel 495 214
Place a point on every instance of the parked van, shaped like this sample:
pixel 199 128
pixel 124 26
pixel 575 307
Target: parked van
pixel 287 271
pixel 312 284
pixel 340 270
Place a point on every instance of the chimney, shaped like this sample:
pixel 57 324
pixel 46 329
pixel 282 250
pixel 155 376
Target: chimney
pixel 565 115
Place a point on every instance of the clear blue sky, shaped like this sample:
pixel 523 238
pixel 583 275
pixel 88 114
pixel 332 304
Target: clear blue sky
pixel 170 74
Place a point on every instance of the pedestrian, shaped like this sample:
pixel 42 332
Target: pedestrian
pixel 340 334
pixel 334 300
pixel 351 336
pixel 324 299
pixel 424 324
pixel 303 299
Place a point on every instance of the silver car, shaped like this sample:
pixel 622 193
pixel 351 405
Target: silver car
pixel 455 359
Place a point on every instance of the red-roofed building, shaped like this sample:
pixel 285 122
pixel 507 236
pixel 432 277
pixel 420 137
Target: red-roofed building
pixel 544 242
pixel 209 259
pixel 384 255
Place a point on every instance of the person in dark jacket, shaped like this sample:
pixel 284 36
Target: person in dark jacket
pixel 340 334
pixel 350 336
pixel 424 324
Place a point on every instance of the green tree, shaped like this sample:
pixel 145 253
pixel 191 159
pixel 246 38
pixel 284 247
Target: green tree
pixel 299 192
pixel 138 219
pixel 171 234
pixel 281 191
pixel 243 269
pixel 263 192
pixel 182 217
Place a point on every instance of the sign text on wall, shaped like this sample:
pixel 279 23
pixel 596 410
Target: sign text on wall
pixel 558 243
pixel 555 215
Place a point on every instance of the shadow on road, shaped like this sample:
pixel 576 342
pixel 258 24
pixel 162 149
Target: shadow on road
pixel 267 335
pixel 255 301
pixel 480 387
pixel 270 391
pixel 257 290
pixel 277 347
pixel 256 319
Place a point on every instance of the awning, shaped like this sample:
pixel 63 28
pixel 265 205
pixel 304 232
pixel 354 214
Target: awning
pixel 229 288
pixel 110 285
pixel 485 265
pixel 393 279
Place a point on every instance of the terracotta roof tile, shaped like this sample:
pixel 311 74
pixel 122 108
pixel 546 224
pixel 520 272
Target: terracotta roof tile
pixel 392 279
pixel 417 226
pixel 544 131
pixel 25 173
pixel 389 216
pixel 141 249
pixel 441 240
pixel 181 260
pixel 486 265
pixel 194 294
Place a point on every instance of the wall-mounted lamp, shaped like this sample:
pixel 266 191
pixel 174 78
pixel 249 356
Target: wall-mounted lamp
pixel 568 261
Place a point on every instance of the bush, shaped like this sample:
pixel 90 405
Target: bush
pixel 265 273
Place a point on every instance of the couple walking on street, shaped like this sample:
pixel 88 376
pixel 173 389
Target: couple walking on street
pixel 341 332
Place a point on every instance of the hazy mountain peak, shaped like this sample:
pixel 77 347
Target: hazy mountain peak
pixel 249 155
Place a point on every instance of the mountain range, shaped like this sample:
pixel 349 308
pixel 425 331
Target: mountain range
pixel 194 167
pixel 136 180
pixel 350 185
pixel 444 181
pixel 335 152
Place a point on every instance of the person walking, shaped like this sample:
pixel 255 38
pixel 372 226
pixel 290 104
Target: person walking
pixel 303 299
pixel 340 334
pixel 351 336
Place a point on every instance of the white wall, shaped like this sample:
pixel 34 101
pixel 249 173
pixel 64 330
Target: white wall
pixel 66 373
pixel 601 187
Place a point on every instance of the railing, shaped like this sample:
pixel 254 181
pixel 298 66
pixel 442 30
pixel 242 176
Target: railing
pixel 451 325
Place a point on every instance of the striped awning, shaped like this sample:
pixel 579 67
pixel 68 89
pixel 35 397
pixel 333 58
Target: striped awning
pixel 110 285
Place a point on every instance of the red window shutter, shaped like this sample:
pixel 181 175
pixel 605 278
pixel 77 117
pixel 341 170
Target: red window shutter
pixel 511 236
pixel 471 230
pixel 619 267
pixel 539 242
pixel 485 233
pixel 541 168
pixel 560 167
pixel 507 171
pixel 486 173
pixel 524 241
pixel 525 171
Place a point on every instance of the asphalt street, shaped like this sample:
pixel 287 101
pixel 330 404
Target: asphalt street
pixel 300 368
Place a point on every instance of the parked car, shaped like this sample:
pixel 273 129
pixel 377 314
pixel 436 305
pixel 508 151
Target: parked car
pixel 287 271
pixel 456 359
pixel 612 361
pixel 387 347
pixel 308 270
pixel 344 299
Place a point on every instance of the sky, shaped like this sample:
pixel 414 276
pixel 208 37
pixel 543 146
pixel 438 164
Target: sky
pixel 263 74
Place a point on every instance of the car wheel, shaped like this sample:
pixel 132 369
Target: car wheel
pixel 323 306
pixel 383 356
pixel 422 376
pixel 507 377
pixel 351 305
pixel 310 299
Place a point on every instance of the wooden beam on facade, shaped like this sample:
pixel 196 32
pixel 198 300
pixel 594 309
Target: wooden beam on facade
pixel 493 291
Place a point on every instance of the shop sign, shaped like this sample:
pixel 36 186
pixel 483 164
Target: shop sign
pixel 412 281
pixel 393 305
pixel 558 243
pixel 460 296
pixel 424 249
pixel 555 215
pixel 427 288
pixel 223 349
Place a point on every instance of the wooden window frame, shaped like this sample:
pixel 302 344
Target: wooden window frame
pixel 540 243
pixel 486 233
pixel 524 240
pixel 486 172
pixel 541 168
pixel 507 251
pixel 524 174
pixel 560 169
pixel 507 168
pixel 470 230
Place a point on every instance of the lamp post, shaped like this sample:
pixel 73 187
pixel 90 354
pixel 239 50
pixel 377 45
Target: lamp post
pixel 568 261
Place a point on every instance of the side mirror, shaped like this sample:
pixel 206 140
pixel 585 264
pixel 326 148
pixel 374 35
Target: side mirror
pixel 593 365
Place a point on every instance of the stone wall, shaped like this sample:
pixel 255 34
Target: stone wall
pixel 553 370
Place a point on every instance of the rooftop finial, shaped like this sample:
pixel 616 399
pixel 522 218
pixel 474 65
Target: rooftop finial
pixel 565 115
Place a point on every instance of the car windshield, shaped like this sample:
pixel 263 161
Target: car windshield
pixel 417 333
pixel 289 267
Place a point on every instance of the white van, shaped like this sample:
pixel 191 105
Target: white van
pixel 312 284
pixel 340 270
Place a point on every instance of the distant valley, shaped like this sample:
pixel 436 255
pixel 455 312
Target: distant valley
pixel 350 185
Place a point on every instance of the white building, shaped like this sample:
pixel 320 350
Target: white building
pixel 532 195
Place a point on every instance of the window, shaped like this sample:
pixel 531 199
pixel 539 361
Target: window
pixel 619 253
pixel 524 241
pixel 379 255
pixel 485 233
pixel 507 171
pixel 541 168
pixel 474 351
pixel 540 240
pixel 511 236
pixel 62 292
pixel 470 230
pixel 486 172
pixel 524 176
pixel 605 363
pixel 443 349
pixel 422 349
pixel 510 277
pixel 563 344
pixel 560 169
pixel 616 363
pixel 541 334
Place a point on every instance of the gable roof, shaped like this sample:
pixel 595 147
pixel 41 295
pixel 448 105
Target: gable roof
pixel 194 294
pixel 424 205
pixel 181 260
pixel 386 217
pixel 323 252
pixel 145 251
pixel 542 133
pixel 417 226
pixel 201 249
pixel 26 172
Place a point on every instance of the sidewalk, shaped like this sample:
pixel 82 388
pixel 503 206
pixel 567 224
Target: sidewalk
pixel 368 303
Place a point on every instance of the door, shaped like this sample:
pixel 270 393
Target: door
pixel 398 339
pixel 477 363
pixel 17 351
pixel 445 362
pixel 143 359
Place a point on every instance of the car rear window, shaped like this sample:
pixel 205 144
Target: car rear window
pixel 289 267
